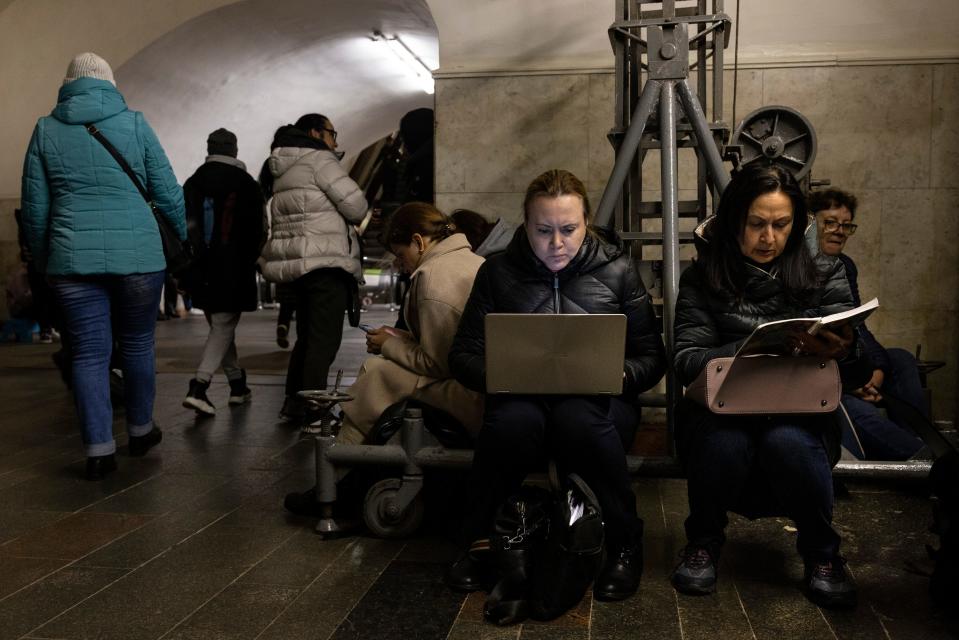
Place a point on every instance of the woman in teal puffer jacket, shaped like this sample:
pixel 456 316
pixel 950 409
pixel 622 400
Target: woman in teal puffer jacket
pixel 96 239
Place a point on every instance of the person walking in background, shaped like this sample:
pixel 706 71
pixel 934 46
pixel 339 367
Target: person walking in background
pixel 313 245
pixel 284 295
pixel 95 237
pixel 225 207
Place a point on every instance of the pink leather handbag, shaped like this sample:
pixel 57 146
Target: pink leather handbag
pixel 760 385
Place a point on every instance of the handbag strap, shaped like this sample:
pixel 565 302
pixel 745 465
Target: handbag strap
pixel 120 160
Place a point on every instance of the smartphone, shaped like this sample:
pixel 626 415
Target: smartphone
pixel 365 327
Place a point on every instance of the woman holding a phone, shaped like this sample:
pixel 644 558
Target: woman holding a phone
pixel 412 364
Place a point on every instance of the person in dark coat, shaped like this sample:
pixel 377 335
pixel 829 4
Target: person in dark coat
pixel 224 210
pixel 556 264
pixel 868 433
pixel 754 267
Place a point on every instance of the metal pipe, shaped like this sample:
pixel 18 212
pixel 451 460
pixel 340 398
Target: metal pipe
pixel 627 151
pixel 694 112
pixel 411 438
pixel 669 171
pixel 670 197
pixel 875 469
pixel 353 454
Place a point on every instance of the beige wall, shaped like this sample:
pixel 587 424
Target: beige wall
pixel 889 133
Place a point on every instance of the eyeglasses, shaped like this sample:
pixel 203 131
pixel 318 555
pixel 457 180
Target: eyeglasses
pixel 332 132
pixel 831 226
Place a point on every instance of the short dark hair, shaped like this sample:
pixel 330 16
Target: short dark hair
pixel 417 217
pixel 833 199
pixel 473 225
pixel 312 121
pixel 723 261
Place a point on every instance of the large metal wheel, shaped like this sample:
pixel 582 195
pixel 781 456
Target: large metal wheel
pixel 383 518
pixel 777 135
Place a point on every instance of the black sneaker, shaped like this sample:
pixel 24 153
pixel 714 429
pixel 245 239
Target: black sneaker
pixel 239 392
pixel 828 584
pixel 196 398
pixel 696 574
pixel 282 331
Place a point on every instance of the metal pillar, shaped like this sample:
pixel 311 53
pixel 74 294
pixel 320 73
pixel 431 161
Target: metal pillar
pixel 666 50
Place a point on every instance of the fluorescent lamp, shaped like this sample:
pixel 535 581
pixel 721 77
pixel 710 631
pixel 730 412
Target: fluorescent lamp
pixel 417 68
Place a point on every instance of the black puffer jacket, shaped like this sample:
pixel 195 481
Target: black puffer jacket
pixel 712 324
pixel 601 278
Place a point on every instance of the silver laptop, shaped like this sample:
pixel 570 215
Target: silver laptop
pixel 543 353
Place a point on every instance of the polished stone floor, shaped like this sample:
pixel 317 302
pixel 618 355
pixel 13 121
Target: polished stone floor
pixel 191 541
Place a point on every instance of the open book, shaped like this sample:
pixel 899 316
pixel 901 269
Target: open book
pixel 770 338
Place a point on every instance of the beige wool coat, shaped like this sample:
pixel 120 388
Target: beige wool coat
pixel 417 368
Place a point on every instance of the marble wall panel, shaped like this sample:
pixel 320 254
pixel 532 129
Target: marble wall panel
pixel 493 206
pixel 865 247
pixel 872 122
pixel 507 130
pixel 920 265
pixel 945 126
pixel 601 119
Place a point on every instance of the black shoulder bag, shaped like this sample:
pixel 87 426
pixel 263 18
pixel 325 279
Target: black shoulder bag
pixel 179 254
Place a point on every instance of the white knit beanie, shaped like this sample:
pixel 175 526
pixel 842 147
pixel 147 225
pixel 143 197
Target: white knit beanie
pixel 89 65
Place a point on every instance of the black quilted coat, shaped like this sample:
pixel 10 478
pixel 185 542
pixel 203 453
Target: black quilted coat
pixel 601 278
pixel 713 324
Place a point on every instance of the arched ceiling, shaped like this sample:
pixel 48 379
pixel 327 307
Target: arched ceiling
pixel 255 65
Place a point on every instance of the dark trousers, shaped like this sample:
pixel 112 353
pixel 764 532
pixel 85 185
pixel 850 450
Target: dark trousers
pixel 588 436
pixel 776 465
pixel 886 437
pixel 321 297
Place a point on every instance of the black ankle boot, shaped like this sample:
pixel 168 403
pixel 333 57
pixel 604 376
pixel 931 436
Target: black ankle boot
pixel 619 577
pixel 196 398
pixel 99 467
pixel 467 574
pixel 239 392
pixel 139 445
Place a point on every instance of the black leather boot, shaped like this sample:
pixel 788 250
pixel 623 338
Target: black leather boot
pixel 468 573
pixel 619 577
pixel 139 445
pixel 99 467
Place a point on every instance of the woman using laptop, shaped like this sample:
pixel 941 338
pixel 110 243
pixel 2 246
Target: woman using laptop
pixel 556 263
pixel 754 267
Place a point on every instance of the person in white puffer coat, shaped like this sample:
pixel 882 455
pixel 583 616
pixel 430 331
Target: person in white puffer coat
pixel 313 245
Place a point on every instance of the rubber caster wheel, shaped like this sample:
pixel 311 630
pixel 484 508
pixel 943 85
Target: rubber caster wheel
pixel 383 519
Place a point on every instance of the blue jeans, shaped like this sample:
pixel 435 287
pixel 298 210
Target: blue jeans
pixel 759 466
pixel 886 437
pixel 97 310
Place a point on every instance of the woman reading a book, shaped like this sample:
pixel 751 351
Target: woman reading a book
pixel 754 267
pixel 556 263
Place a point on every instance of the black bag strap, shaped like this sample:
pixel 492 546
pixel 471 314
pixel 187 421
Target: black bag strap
pixel 120 161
